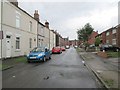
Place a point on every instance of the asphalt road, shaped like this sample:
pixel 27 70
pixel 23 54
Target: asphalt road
pixel 64 70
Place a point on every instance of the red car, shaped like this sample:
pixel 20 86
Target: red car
pixel 56 50
pixel 63 48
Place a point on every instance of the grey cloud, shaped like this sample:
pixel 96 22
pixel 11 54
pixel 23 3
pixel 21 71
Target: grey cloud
pixel 58 13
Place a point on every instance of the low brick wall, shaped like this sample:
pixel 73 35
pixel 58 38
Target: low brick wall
pixel 102 54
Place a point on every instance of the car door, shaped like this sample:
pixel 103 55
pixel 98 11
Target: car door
pixel 46 53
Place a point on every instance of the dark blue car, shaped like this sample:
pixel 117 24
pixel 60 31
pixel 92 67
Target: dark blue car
pixel 39 54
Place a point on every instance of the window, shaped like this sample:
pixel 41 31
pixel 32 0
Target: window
pixel 114 41
pixel 17 42
pixel 30 43
pixel 107 33
pixel 114 31
pixel 42 30
pixel 17 21
pixel 30 26
pixel 107 41
pixel 7 36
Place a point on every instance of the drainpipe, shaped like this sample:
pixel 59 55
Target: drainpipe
pixel 37 33
pixel 49 39
pixel 1 23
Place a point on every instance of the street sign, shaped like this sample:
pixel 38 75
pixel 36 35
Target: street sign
pixel 1 34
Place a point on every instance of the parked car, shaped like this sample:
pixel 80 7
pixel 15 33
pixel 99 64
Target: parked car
pixel 75 46
pixel 56 50
pixel 67 47
pixel 63 48
pixel 108 47
pixel 39 54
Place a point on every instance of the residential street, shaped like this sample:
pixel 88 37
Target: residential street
pixel 62 71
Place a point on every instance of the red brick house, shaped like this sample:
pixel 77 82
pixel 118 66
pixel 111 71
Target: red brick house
pixel 91 39
pixel 66 41
pixel 111 36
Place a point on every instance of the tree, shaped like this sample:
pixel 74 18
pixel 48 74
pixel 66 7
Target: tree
pixel 85 32
pixel 97 41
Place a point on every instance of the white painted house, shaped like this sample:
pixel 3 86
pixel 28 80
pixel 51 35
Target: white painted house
pixel 52 39
pixel 47 35
pixel 20 31
pixel 41 35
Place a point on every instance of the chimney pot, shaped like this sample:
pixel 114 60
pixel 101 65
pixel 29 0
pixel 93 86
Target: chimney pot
pixel 36 15
pixel 47 24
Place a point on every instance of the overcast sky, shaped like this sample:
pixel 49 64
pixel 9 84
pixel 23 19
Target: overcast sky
pixel 66 17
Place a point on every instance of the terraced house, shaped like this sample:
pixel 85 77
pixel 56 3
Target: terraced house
pixel 111 36
pixel 19 31
pixel 22 32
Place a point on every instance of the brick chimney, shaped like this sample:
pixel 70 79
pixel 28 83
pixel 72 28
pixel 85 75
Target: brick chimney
pixel 47 24
pixel 36 15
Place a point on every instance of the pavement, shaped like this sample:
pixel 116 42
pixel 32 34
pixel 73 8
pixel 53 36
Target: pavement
pixel 106 69
pixel 64 70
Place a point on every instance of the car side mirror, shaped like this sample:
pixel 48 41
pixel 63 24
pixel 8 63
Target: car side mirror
pixel 46 50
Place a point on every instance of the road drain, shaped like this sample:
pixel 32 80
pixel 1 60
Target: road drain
pixel 46 78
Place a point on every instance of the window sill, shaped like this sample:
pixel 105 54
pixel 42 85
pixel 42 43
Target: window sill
pixel 17 50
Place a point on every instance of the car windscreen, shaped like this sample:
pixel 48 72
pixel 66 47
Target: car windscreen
pixel 38 50
pixel 56 47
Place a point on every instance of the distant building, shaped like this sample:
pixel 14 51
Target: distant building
pixel 57 39
pixel 66 41
pixel 73 42
pixel 52 39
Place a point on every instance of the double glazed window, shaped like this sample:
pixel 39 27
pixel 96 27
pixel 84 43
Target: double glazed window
pixel 114 41
pixel 107 33
pixel 17 42
pixel 17 19
pixel 114 31
pixel 107 41
pixel 30 26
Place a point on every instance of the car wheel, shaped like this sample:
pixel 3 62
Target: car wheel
pixel 49 57
pixel 44 59
pixel 28 61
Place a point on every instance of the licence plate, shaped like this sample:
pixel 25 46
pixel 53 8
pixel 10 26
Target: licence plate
pixel 32 57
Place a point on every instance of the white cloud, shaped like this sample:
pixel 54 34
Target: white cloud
pixel 68 17
pixel 100 20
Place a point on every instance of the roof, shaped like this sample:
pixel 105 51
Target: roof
pixel 28 14
pixel 110 29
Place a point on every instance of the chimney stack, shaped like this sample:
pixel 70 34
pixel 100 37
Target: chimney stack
pixel 36 15
pixel 14 2
pixel 47 24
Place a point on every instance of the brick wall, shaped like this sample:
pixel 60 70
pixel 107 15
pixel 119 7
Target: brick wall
pixel 92 37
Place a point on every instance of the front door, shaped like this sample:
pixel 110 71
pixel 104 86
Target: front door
pixel 8 46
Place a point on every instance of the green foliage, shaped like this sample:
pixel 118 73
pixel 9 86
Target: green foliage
pixel 85 32
pixel 113 54
pixel 97 41
pixel 86 44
